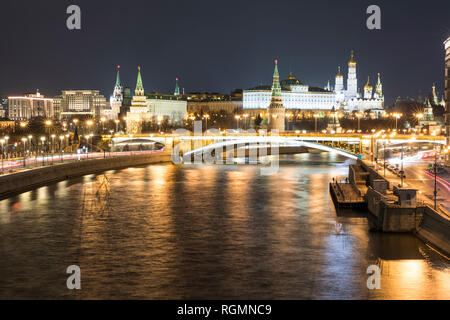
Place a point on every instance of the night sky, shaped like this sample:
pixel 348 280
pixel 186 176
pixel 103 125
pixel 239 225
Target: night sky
pixel 217 46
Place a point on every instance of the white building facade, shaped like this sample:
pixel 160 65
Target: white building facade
pixel 298 96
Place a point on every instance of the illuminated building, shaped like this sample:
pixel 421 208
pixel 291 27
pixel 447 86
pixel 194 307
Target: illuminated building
pixel 80 103
pixel 298 96
pixel 30 106
pixel 150 107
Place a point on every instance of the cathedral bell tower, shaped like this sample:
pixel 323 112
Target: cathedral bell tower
pixel 352 81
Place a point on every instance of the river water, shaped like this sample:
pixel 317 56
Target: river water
pixel 207 232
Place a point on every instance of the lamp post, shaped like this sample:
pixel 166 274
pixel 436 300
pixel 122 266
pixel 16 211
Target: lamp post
pixel 359 115
pixel 24 140
pixel 237 117
pixel 102 120
pixel 384 154
pixel 206 117
pixel 315 122
pixel 61 139
pixel 160 119
pixel 396 116
pixel 435 177
pixel 42 149
pixel 117 121
pixel 2 142
pixel 401 171
pixel 29 142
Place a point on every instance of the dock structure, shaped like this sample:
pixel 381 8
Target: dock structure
pixel 390 208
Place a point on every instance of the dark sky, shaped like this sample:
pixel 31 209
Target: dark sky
pixel 214 45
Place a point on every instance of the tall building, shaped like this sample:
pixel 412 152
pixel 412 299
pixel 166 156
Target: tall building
pixel 80 103
pixel 352 80
pixel 116 99
pixel 276 110
pixel 447 89
pixel 353 101
pixel 30 106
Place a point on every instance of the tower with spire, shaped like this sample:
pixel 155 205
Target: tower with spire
pixel 352 81
pixel 117 97
pixel 435 98
pixel 177 88
pixel 276 110
pixel 139 110
pixel 379 89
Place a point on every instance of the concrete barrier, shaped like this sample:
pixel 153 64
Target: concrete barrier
pixel 33 178
pixel 435 230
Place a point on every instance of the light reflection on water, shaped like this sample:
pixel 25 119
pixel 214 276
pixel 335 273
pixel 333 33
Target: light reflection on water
pixel 190 232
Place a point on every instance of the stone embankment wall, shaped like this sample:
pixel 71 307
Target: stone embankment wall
pixel 26 180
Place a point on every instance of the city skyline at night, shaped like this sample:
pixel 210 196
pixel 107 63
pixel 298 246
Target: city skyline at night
pixel 222 56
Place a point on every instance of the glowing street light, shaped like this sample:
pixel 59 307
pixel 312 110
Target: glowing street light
pixel 2 142
pixel 315 121
pixel 117 121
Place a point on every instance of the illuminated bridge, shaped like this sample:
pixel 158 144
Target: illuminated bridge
pixel 243 144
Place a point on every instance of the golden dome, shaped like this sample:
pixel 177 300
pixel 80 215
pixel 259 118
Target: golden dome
pixel 339 75
pixel 368 86
pixel 291 77
pixel 352 62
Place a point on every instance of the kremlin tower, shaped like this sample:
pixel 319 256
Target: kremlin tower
pixel 177 88
pixel 139 109
pixel 378 89
pixel 117 97
pixel 276 110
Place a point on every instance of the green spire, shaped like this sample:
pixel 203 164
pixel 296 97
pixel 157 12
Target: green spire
pixel 118 77
pixel 276 88
pixel 177 88
pixel 139 86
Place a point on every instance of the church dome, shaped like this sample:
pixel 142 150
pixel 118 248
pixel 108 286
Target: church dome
pixel 368 86
pixel 290 81
pixel 339 74
pixel 352 62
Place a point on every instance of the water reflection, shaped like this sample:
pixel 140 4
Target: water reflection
pixel 167 231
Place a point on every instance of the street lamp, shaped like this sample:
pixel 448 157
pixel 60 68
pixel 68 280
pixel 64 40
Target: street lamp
pixel 384 154
pixel 237 117
pixel 2 142
pixel 359 116
pixel 396 116
pixel 315 121
pixel 102 120
pixel 160 118
pixel 206 117
pixel 245 121
pixel 42 149
pixel 24 140
pixel 117 121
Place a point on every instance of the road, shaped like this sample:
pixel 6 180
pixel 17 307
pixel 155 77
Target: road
pixel 417 177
